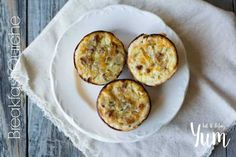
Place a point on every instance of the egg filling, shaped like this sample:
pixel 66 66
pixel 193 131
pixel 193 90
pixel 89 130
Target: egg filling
pixel 99 57
pixel 152 59
pixel 123 104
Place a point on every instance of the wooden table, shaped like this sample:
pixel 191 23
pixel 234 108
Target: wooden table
pixel 39 137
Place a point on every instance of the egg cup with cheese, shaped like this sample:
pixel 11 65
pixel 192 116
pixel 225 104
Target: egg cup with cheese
pixel 99 57
pixel 123 104
pixel 152 59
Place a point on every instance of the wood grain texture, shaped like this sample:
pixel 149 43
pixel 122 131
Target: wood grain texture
pixel 44 138
pixel 234 6
pixel 231 149
pixel 219 151
pixel 11 147
pixel 224 4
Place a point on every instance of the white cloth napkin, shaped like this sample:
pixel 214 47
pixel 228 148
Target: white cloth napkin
pixel 209 36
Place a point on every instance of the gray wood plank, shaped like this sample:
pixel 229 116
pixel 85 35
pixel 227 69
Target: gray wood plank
pixel 219 151
pixel 44 138
pixel 12 116
pixel 224 4
pixel 234 6
pixel 231 149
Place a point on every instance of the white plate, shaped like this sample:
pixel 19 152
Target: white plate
pixel 77 98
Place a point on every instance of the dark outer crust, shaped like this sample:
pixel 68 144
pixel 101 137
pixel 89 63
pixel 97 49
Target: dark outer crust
pixel 123 80
pixel 177 56
pixel 78 46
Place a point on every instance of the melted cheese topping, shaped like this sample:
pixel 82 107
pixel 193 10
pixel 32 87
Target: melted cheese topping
pixel 152 59
pixel 123 104
pixel 99 57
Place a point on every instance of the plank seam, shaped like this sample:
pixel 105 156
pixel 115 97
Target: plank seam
pixel 234 6
pixel 26 106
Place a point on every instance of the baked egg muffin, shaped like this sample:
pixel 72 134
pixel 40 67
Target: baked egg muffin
pixel 123 104
pixel 99 57
pixel 152 59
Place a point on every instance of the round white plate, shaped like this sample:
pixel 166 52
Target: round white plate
pixel 77 98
